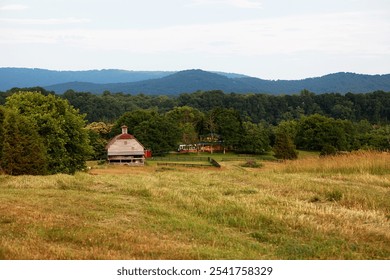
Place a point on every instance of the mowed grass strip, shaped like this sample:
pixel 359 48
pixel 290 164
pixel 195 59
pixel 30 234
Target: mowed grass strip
pixel 290 210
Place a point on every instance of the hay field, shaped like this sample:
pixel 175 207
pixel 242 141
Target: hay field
pixel 312 208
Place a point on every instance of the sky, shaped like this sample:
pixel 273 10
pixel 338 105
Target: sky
pixel 268 39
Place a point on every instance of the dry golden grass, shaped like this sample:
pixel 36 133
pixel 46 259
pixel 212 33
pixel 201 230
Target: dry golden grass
pixel 356 162
pixel 314 208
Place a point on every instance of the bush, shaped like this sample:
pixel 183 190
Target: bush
pixel 334 196
pixel 252 164
pixel 328 150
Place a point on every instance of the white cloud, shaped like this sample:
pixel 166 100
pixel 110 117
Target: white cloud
pixel 247 4
pixel 48 21
pixel 332 33
pixel 335 35
pixel 15 7
pixel 282 40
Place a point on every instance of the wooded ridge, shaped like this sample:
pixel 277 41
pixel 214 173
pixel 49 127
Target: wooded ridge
pixel 175 83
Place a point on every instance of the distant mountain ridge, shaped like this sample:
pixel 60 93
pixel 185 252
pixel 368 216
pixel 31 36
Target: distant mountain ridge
pixel 187 81
pixel 30 77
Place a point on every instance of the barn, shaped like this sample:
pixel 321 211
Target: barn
pixel 125 149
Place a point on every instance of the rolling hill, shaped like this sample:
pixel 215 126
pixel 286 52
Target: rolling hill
pixel 174 83
pixel 193 80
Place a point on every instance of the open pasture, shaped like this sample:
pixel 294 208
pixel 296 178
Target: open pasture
pixel 312 208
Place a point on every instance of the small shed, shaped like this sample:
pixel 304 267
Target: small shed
pixel 125 149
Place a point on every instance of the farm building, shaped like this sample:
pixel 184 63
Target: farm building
pixel 125 149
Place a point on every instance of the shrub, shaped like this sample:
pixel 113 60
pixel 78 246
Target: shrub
pixel 315 199
pixel 334 196
pixel 252 164
pixel 328 150
pixel 284 147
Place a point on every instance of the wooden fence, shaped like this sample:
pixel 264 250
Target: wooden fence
pixel 212 162
pixel 179 159
pixel 182 164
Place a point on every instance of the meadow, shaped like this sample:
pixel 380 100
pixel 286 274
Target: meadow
pixel 312 208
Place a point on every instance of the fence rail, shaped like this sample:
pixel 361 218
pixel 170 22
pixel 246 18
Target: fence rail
pixel 182 164
pixel 238 159
pixel 181 161
pixel 214 162
pixel 178 159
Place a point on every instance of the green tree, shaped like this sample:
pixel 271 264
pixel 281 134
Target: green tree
pixel 290 128
pixel 158 134
pixel 59 125
pixel 23 151
pixel 187 119
pixel 255 138
pixel 308 103
pixel 316 131
pixel 229 127
pixel 98 136
pixel 132 120
pixel 284 147
pixel 378 138
pixel 101 128
pixel 189 134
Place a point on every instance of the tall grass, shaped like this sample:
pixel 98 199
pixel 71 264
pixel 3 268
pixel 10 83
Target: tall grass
pixel 284 211
pixel 362 162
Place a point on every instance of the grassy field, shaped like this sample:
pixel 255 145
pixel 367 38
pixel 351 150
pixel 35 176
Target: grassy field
pixel 312 208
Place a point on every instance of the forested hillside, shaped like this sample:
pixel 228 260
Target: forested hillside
pixel 30 77
pixel 194 80
pixel 175 83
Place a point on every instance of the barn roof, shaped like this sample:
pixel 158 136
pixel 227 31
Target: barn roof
pixel 125 136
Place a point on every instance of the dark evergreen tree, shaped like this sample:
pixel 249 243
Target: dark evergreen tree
pixel 23 151
pixel 284 147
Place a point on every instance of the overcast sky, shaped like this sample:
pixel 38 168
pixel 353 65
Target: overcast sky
pixel 270 39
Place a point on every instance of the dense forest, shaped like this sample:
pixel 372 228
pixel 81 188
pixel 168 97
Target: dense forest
pixel 373 107
pixel 245 123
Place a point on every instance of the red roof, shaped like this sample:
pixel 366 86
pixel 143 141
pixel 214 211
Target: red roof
pixel 125 136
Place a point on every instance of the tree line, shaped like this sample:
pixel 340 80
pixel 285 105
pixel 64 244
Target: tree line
pixel 43 133
pixel 162 132
pixel 373 107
